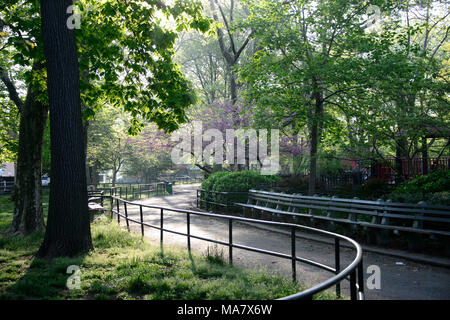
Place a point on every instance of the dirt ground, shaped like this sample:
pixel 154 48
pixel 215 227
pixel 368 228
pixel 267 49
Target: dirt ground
pixel 400 279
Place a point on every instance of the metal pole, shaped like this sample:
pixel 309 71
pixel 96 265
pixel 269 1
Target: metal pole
pixel 142 220
pixel 230 240
pixel 111 205
pixel 162 224
pixel 118 211
pixel 361 278
pixel 353 285
pixel 337 264
pixel 126 216
pixel 189 231
pixel 294 255
pixel 197 198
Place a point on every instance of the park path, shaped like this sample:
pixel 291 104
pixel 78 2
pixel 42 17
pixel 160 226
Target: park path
pixel 400 279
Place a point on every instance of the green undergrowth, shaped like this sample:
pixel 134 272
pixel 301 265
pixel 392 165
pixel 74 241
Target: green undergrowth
pixel 124 266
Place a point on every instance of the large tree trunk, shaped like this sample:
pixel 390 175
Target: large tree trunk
pixel 28 213
pixel 315 133
pixel 401 154
pixel 68 229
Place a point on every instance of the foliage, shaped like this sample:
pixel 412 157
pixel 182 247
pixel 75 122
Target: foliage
pixel 243 181
pixel 210 181
pixel 373 188
pixel 239 181
pixel 124 266
pixel 433 188
pixel 108 141
pixel 437 181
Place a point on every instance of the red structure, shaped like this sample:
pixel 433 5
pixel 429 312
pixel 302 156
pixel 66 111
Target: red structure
pixel 409 168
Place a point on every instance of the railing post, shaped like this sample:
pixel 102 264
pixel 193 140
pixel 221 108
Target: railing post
pixel 294 255
pixel 126 193
pixel 126 216
pixel 142 220
pixel 353 285
pixel 188 217
pixel 111 205
pixel 361 279
pixel 118 211
pixel 197 198
pixel 230 240
pixel 337 264
pixel 162 225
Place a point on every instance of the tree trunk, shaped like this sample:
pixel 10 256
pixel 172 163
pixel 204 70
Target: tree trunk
pixel 424 156
pixel 233 85
pixel 313 160
pixel 401 154
pixel 114 177
pixel 68 229
pixel 28 213
pixel 315 133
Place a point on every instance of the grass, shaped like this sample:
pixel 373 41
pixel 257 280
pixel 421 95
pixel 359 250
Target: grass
pixel 124 266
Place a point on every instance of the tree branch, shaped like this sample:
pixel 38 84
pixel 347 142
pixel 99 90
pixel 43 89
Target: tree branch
pixel 13 95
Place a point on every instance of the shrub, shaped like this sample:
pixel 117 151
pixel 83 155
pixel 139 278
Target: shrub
pixel 433 188
pixel 242 181
pixel 239 181
pixel 208 183
pixel 373 188
pixel 437 181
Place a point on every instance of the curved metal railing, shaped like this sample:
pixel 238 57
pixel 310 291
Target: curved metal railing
pixel 352 272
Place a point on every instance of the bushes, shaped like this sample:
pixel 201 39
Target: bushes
pixel 209 182
pixel 239 181
pixel 373 188
pixel 433 188
pixel 437 181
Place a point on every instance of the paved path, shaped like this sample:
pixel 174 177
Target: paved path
pixel 406 280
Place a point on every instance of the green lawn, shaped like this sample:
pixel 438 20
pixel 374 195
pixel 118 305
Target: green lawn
pixel 124 266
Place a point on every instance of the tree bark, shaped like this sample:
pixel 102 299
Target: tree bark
pixel 424 156
pixel 68 229
pixel 28 213
pixel 315 133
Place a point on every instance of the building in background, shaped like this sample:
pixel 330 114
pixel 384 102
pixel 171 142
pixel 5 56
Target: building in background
pixel 6 177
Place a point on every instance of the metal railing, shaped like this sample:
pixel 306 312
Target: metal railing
pixel 134 191
pixel 219 200
pixel 352 272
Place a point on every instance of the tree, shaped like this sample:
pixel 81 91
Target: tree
pixel 68 228
pixel 232 50
pixel 108 141
pixel 150 154
pixel 142 50
pixel 22 70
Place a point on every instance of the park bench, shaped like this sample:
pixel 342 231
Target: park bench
pixel 383 216
pixel 95 203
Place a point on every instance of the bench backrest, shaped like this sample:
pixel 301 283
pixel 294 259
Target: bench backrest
pixel 379 212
